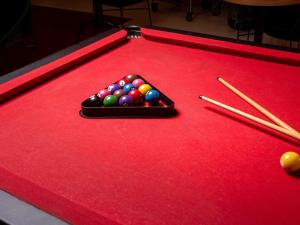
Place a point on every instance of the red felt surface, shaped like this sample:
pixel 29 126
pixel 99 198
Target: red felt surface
pixel 204 166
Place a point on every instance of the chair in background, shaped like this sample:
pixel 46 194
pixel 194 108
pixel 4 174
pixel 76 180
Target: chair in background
pixel 213 5
pixel 241 18
pixel 123 5
pixel 284 23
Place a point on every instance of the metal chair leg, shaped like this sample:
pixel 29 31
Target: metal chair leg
pixel 122 15
pixel 189 11
pixel 149 11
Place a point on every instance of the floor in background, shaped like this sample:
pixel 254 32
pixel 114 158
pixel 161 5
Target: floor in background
pixel 56 28
pixel 16 212
pixel 170 15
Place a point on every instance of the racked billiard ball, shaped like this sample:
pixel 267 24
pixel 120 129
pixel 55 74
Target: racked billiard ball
pixel 152 97
pixel 94 100
pixel 136 96
pixel 110 100
pixel 131 77
pixel 113 87
pixel 103 93
pixel 144 88
pixel 123 82
pixel 125 100
pixel 119 93
pixel 128 87
pixel 138 82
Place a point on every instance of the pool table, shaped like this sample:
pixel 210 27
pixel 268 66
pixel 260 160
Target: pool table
pixel 202 166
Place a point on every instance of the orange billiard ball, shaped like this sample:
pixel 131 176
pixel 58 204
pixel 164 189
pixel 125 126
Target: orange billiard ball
pixel 290 162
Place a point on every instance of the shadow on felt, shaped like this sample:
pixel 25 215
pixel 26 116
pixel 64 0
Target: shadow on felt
pixel 295 174
pixel 255 126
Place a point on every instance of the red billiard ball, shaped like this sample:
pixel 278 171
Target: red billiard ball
pixel 103 93
pixel 123 82
pixel 136 96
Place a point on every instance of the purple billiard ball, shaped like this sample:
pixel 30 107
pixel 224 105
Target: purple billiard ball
pixel 125 100
pixel 128 88
pixel 137 82
pixel 113 87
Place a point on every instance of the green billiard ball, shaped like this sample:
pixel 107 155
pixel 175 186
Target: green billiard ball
pixel 110 100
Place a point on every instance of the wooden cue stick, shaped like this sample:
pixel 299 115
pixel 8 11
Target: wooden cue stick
pixel 253 118
pixel 257 106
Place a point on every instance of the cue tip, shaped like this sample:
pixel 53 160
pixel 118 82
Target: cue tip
pixel 218 78
pixel 201 97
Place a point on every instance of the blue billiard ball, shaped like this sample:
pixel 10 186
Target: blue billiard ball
pixel 127 88
pixel 152 96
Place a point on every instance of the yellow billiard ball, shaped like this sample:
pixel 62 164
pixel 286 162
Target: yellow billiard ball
pixel 290 162
pixel 144 88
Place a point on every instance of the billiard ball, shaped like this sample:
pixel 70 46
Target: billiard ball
pixel 125 100
pixel 119 93
pixel 94 100
pixel 138 82
pixel 113 87
pixel 110 100
pixel 144 88
pixel 123 82
pixel 103 93
pixel 137 96
pixel 131 77
pixel 128 87
pixel 290 162
pixel 152 97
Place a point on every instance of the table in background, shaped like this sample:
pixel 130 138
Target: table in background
pixel 202 166
pixel 259 6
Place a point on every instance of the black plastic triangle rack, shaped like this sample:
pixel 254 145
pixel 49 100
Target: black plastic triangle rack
pixel 164 108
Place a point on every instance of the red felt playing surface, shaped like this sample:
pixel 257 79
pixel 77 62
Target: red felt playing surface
pixel 204 166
